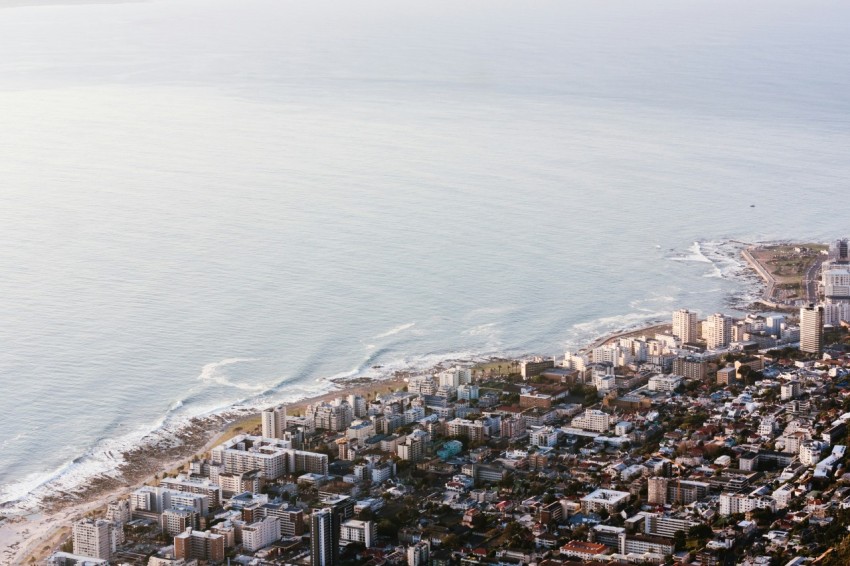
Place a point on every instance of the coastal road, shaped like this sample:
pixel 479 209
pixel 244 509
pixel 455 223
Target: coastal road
pixel 810 281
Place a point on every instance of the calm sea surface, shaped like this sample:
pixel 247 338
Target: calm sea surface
pixel 213 202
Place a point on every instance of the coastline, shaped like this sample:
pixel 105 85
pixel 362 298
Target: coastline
pixel 649 328
pixel 34 536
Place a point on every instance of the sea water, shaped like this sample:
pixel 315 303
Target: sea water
pixel 219 202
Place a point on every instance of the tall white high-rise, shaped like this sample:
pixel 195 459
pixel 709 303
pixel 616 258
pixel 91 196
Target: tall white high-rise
pixel 94 538
pixel 835 279
pixel 685 325
pixel 718 329
pixel 811 329
pixel 274 422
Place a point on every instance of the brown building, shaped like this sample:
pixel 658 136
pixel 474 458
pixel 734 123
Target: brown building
pixel 528 400
pixel 201 545
pixel 727 376
pixel 690 368
pixel 532 368
pixel 551 513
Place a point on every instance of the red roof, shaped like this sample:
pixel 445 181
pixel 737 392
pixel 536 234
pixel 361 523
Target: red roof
pixel 584 547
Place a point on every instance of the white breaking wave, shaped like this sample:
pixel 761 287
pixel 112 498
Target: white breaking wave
pixel 721 255
pixel 715 272
pixel 481 329
pixel 652 301
pixel 695 255
pixel 585 332
pixel 212 373
pixel 395 330
pixel 102 459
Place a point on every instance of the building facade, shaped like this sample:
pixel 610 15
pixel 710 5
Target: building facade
pixel 718 331
pixel 324 538
pixel 685 325
pixel 274 422
pixel 94 538
pixel 353 530
pixel 811 329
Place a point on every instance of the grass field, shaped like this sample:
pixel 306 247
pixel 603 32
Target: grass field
pixel 787 263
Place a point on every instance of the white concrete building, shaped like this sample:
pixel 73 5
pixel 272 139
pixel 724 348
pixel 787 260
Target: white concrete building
pixel 792 442
pixel 423 385
pixel 414 414
pixel 67 559
pixel 664 382
pixel 592 419
pixel 732 503
pixel 810 452
pixel 623 428
pixel 260 534
pixel 578 362
pixel 783 495
pixel 613 354
pixel 274 422
pixel 718 331
pixel 811 329
pixel 363 532
pixel 656 524
pixel 767 426
pixel 360 431
pixel 382 472
pixel 835 279
pixel 95 538
pixel 418 554
pixel 685 325
pixel 273 457
pixel 789 390
pixel 161 499
pixel 608 499
pixel 836 313
pixel 543 436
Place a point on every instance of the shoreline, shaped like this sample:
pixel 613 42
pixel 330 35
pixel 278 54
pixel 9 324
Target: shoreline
pixel 24 537
pixel 654 327
pixel 35 535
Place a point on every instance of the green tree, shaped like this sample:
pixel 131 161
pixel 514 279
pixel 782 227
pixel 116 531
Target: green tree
pixel 700 532
pixel 679 540
pixel 590 396
pixel 451 541
pixel 387 528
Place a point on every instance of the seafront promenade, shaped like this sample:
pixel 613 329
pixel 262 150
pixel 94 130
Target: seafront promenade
pixel 770 281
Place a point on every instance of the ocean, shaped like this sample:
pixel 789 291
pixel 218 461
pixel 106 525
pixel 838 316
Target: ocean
pixel 217 203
